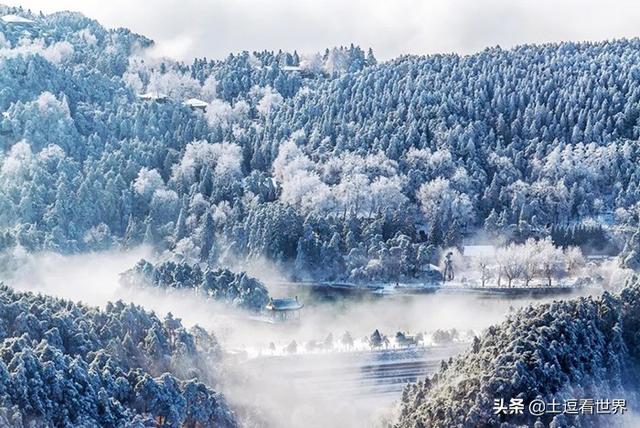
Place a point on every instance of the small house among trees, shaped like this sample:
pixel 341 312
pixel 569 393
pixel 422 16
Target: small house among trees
pixel 196 104
pixel 286 309
pixel 291 68
pixel 154 96
pixel 17 20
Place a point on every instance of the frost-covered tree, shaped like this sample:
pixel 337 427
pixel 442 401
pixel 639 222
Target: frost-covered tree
pixel 551 260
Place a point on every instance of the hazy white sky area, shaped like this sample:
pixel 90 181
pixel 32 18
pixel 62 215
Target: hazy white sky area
pixel 185 29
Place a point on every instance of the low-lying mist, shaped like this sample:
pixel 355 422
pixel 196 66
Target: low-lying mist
pixel 93 278
pixel 272 385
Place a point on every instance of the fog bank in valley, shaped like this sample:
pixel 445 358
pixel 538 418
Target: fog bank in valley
pixel 272 384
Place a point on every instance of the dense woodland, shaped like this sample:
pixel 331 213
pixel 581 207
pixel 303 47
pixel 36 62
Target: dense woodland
pixel 575 349
pixel 237 289
pixel 329 165
pixel 65 364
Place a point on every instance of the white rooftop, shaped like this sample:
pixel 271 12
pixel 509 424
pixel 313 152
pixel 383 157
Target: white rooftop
pixel 153 95
pixel 194 102
pixel 16 19
pixel 291 68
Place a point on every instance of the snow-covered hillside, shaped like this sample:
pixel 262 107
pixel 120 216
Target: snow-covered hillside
pixel 586 348
pixel 275 167
pixel 335 169
pixel 65 364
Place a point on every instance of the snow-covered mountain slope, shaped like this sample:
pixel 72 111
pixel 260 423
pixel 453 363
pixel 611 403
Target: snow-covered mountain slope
pixel 587 348
pixel 66 364
pixel 334 168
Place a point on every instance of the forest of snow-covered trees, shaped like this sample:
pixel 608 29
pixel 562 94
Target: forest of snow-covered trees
pixel 586 348
pixel 64 364
pixel 237 289
pixel 330 165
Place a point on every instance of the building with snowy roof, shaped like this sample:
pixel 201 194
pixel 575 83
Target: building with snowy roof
pixel 196 104
pixel 291 68
pixel 284 309
pixel 153 96
pixel 17 20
